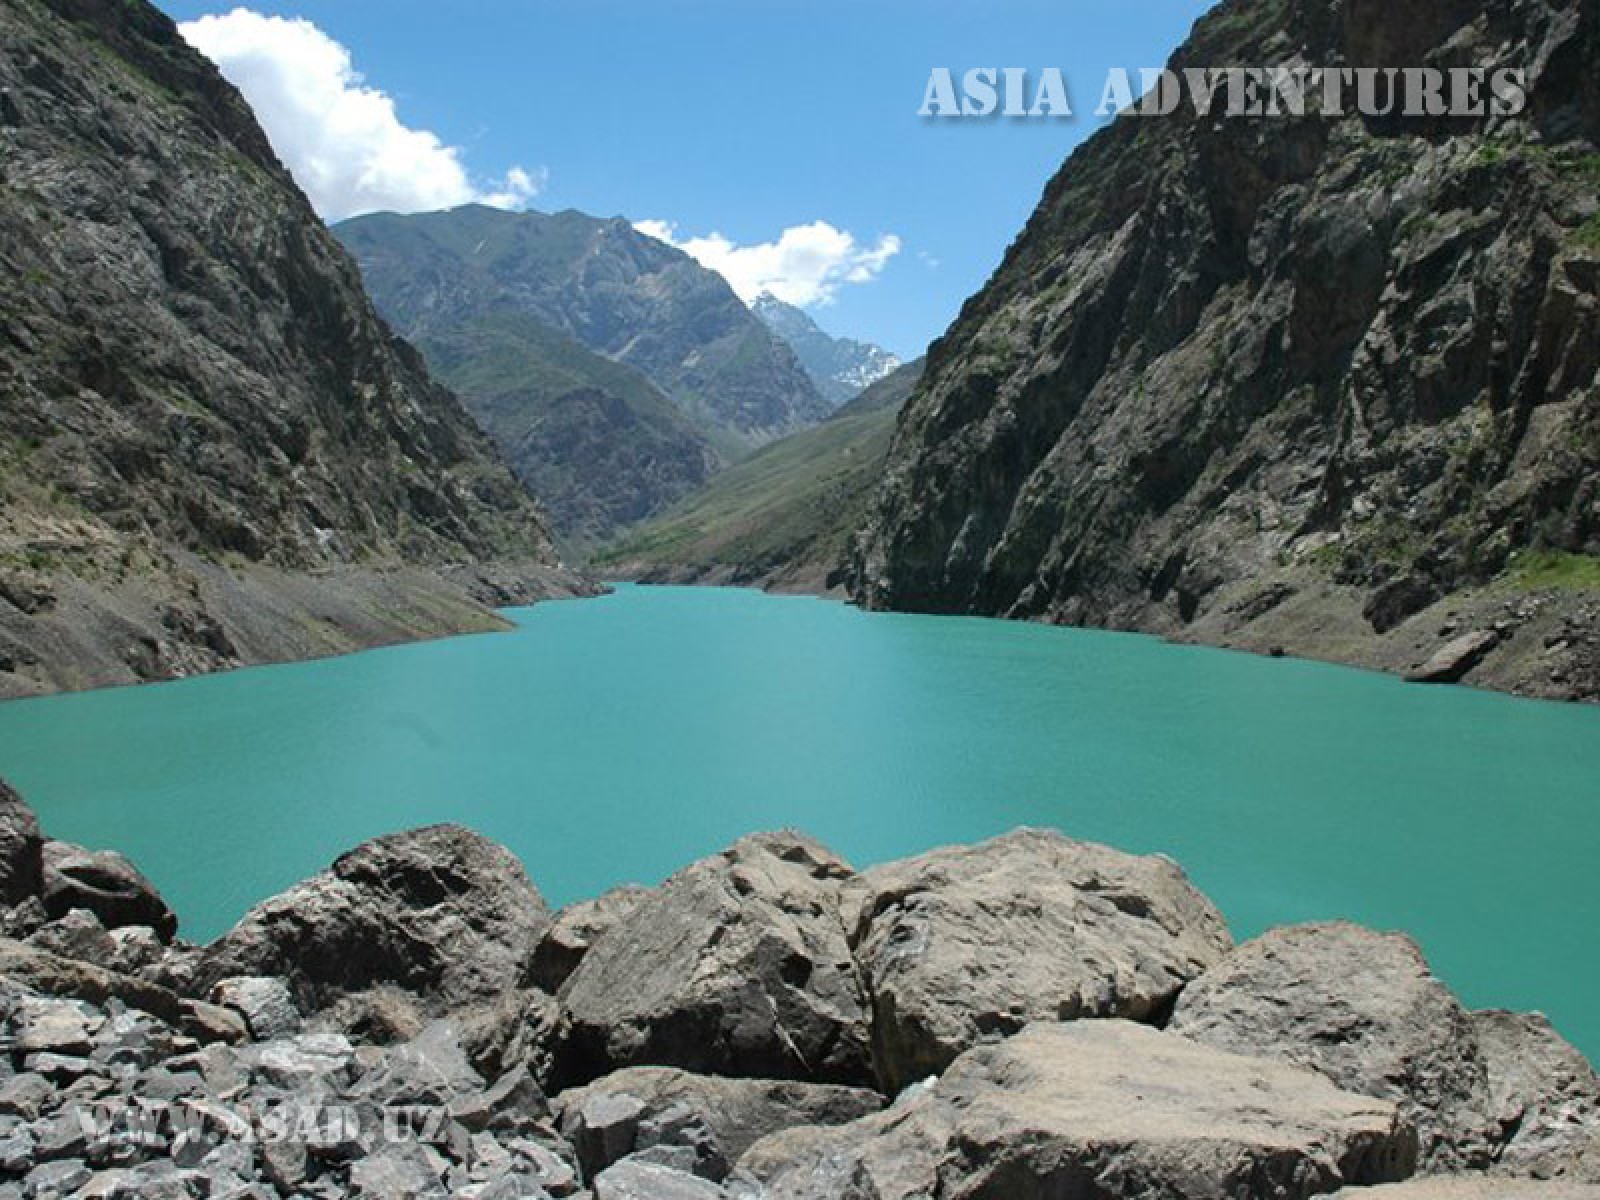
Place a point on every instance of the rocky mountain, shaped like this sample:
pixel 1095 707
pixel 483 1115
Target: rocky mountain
pixel 783 517
pixel 1323 385
pixel 1074 1021
pixel 599 444
pixel 623 295
pixel 212 451
pixel 840 367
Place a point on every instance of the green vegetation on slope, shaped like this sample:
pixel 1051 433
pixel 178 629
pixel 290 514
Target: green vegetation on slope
pixel 783 515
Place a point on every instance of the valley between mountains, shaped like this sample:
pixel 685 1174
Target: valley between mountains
pixel 1323 387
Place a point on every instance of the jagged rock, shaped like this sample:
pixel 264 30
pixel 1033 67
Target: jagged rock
pixel 738 1112
pixel 264 1003
pixel 1098 1108
pixel 56 976
pixel 633 1179
pixel 21 849
pixel 442 914
pixel 106 884
pixel 516 1028
pixel 79 934
pixel 1545 1095
pixel 970 944
pixel 737 965
pixel 1456 658
pixel 574 930
pixel 1364 1009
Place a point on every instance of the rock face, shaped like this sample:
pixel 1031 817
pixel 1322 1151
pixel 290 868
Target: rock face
pixel 442 914
pixel 1308 383
pixel 21 849
pixel 736 966
pixel 842 368
pixel 1545 1095
pixel 1363 1009
pixel 105 883
pixel 574 930
pixel 606 1116
pixel 969 945
pixel 199 407
pixel 1102 1109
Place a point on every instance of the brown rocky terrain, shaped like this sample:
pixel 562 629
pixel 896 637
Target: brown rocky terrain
pixel 1028 1019
pixel 212 451
pixel 1316 385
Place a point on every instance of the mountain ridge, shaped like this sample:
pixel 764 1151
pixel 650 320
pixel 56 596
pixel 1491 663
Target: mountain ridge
pixel 1315 386
pixel 212 450
pixel 842 368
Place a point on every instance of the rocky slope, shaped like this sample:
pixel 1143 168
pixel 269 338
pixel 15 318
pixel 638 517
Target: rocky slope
pixel 842 368
pixel 600 445
pixel 212 451
pixel 783 517
pixel 1323 385
pixel 623 295
pixel 1024 1019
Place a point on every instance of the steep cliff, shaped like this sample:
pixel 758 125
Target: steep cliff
pixel 212 451
pixel 1318 384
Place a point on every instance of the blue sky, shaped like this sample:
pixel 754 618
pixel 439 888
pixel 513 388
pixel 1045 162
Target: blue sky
pixel 750 117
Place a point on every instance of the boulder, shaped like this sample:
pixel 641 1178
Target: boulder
pixel 574 930
pixel 736 966
pixel 1545 1094
pixel 969 944
pixel 106 884
pixel 1452 662
pixel 1364 1009
pixel 52 975
pixel 442 914
pixel 264 1003
pixel 21 849
pixel 633 1179
pixel 1106 1109
pixel 737 1112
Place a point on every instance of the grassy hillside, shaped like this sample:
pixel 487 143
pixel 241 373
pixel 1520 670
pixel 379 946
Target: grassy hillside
pixel 782 516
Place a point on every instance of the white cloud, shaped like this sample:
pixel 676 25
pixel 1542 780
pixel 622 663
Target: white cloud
pixel 342 140
pixel 806 265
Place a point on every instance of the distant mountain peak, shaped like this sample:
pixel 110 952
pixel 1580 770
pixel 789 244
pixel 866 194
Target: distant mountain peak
pixel 842 368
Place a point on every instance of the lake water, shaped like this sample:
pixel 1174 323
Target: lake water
pixel 615 740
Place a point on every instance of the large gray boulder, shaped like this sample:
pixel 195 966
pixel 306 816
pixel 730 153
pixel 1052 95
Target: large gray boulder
pixel 1545 1094
pixel 1101 1109
pixel 441 914
pixel 105 883
pixel 968 944
pixel 574 930
pixel 605 1118
pixel 21 846
pixel 737 966
pixel 1364 1009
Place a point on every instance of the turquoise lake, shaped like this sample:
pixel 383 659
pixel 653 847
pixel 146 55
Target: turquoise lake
pixel 615 740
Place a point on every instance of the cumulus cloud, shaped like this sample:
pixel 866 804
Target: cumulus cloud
pixel 341 139
pixel 805 266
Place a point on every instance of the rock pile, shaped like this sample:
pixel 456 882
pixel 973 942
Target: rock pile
pixel 1028 1019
